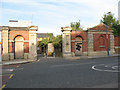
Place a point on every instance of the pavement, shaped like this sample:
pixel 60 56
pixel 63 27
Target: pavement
pixel 91 57
pixel 23 61
pixel 17 61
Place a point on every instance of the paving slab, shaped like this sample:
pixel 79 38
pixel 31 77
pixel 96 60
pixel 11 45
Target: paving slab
pixel 90 57
pixel 17 61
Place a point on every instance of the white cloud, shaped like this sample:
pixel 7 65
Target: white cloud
pixel 16 1
pixel 51 15
pixel 55 31
pixel 12 11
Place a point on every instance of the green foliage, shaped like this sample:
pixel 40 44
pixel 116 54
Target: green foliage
pixel 43 43
pixel 112 22
pixel 116 29
pixel 50 38
pixel 57 41
pixel 75 25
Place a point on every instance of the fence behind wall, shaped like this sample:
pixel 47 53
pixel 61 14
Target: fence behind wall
pixel 42 52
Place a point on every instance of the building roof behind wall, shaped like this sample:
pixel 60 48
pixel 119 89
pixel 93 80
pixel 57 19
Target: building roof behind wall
pixel 43 35
pixel 101 26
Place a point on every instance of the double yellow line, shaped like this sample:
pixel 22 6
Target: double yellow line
pixel 3 86
pixel 11 76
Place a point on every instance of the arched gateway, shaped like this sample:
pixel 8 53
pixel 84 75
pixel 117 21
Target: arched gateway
pixel 19 43
pixel 19 47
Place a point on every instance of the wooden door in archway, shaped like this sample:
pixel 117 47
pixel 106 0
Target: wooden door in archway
pixel 19 47
pixel 78 46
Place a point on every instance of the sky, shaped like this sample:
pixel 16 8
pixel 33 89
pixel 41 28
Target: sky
pixel 51 15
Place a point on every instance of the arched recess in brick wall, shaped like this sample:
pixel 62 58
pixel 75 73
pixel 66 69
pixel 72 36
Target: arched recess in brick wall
pixel 19 47
pixel 101 40
pixel 78 45
pixel 78 38
pixel 102 43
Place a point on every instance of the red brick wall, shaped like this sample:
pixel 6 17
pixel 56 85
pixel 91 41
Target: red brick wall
pixel 117 40
pixel 26 47
pixel 72 46
pixel 100 40
pixel 83 35
pixel 13 34
pixel 11 47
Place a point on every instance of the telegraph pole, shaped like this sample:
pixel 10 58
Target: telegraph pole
pixel 107 41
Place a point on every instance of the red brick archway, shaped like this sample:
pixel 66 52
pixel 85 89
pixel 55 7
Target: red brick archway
pixel 81 38
pixel 13 35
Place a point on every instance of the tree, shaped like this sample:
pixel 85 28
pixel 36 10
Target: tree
pixel 57 41
pixel 75 25
pixel 112 22
pixel 43 43
pixel 116 29
pixel 51 38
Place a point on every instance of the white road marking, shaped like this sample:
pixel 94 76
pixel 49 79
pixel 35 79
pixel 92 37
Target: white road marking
pixel 94 68
pixel 8 70
pixel 106 66
pixel 115 67
pixel 19 69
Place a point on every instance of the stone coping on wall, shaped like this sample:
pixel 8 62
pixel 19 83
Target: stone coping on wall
pixel 18 28
pixel 31 28
pixel 99 30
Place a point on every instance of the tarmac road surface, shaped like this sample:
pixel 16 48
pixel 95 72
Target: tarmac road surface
pixel 62 73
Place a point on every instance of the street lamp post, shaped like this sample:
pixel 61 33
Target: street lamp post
pixel 107 41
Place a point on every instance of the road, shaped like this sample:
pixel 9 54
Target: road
pixel 6 73
pixel 62 73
